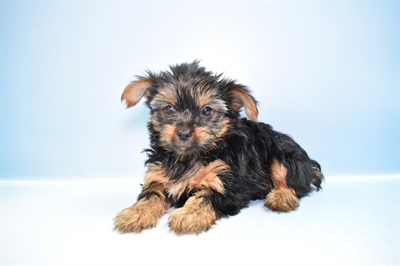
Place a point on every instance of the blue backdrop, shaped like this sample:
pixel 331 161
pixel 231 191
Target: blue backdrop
pixel 327 73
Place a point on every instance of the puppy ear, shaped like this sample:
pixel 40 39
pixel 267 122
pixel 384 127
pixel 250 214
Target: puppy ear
pixel 241 97
pixel 135 91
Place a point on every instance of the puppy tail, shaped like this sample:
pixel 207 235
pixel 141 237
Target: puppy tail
pixel 318 177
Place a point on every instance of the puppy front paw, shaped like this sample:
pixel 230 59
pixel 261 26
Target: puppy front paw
pixel 192 218
pixel 282 200
pixel 143 215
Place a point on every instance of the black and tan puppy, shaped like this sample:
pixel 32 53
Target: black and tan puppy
pixel 206 161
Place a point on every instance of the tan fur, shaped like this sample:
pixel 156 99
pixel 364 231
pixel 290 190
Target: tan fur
pixel 201 134
pixel 282 198
pixel 278 175
pixel 168 133
pixel 155 174
pixel 144 214
pixel 201 178
pixel 195 216
pixel 207 177
pixel 225 127
pixel 166 95
pixel 204 98
pixel 135 91
pixel 240 99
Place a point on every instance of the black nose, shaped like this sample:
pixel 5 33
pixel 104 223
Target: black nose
pixel 184 134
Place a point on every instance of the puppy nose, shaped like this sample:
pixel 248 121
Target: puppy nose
pixel 184 134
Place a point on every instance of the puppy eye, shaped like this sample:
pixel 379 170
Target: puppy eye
pixel 169 109
pixel 207 110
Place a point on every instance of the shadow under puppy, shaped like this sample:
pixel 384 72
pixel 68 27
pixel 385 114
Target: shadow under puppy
pixel 207 161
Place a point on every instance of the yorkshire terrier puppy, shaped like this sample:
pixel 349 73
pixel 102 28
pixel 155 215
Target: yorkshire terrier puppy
pixel 204 159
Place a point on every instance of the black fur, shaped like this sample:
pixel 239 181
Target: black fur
pixel 249 148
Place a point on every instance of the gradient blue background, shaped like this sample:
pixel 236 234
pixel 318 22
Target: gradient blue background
pixel 327 73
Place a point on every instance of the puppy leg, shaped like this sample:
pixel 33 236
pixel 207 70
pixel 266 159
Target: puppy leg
pixel 282 198
pixel 196 216
pixel 144 214
pixel 149 208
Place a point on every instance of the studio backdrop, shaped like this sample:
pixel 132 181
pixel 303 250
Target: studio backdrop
pixel 327 73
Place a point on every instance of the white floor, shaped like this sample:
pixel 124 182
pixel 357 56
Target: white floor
pixel 352 221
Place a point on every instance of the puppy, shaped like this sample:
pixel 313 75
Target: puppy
pixel 204 159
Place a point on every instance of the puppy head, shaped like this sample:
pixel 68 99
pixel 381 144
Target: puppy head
pixel 191 109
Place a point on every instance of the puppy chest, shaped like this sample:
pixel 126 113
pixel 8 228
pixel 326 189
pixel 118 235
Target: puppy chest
pixel 199 178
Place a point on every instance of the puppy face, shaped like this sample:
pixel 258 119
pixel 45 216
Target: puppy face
pixel 191 109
